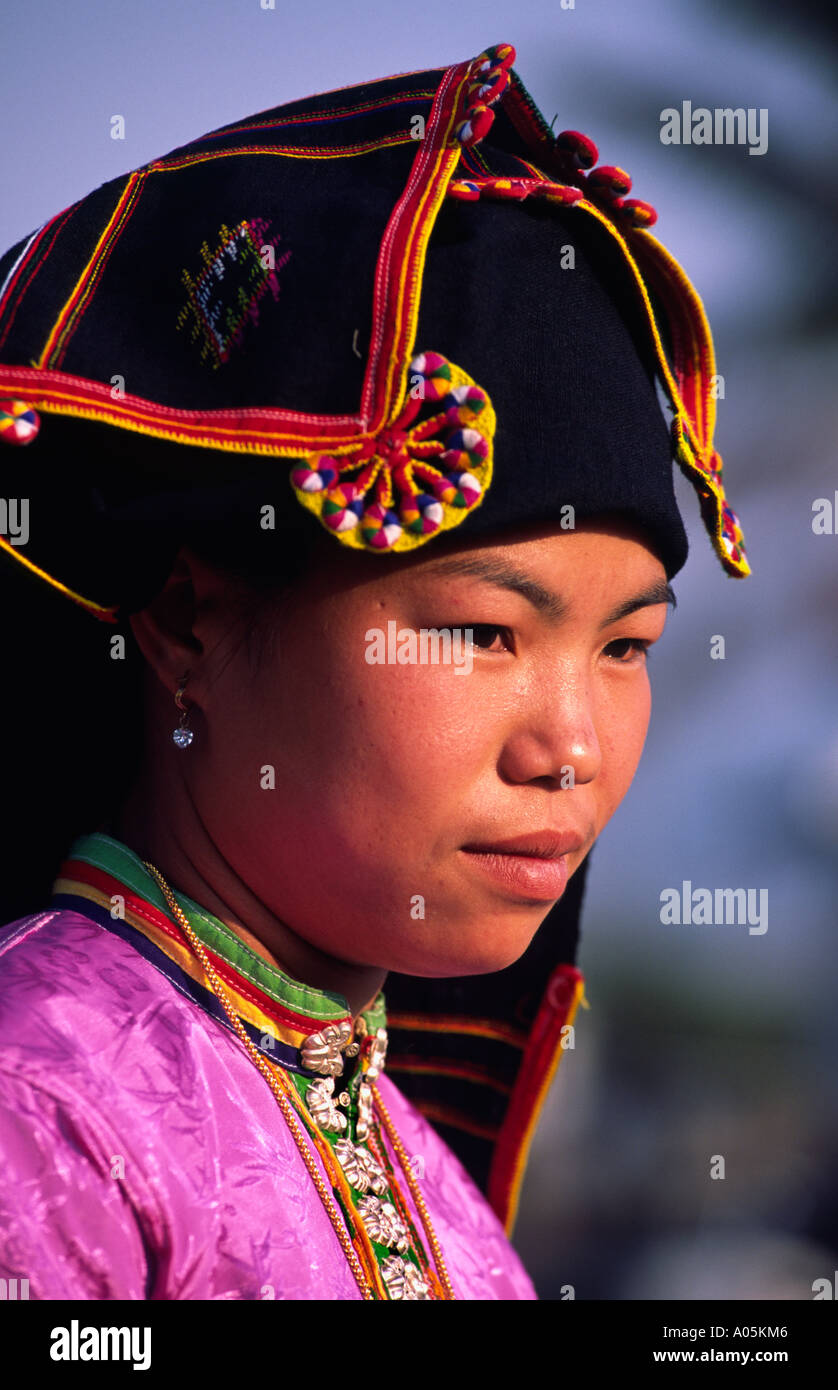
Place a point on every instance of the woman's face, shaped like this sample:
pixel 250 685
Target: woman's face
pixel 383 833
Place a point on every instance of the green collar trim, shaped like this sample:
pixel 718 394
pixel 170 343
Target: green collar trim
pixel 321 1006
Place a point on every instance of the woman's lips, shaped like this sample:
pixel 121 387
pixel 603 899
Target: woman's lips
pixel 542 877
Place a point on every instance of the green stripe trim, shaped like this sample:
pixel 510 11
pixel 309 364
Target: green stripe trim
pixel 115 858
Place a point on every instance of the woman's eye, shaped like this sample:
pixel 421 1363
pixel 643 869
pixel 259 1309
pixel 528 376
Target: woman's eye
pixel 488 637
pixel 635 648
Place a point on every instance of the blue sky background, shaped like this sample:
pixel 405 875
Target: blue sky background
pixel 698 1040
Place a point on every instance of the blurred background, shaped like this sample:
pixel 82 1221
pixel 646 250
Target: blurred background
pixel 699 1041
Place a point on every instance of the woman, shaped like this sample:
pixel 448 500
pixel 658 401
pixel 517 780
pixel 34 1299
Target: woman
pixel 378 490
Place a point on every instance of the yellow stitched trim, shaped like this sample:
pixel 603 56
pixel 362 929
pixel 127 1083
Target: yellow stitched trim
pixel 672 386
pixel 312 117
pixel 295 449
pixel 705 341
pixel 347 152
pixel 446 162
pixel 108 614
pixel 59 325
pixel 397 382
pixel 700 344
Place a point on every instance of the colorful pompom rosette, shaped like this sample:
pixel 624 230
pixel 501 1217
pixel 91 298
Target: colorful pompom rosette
pixel 394 490
pixel 19 423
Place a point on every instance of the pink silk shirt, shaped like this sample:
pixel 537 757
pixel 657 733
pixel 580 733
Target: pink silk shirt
pixel 143 1154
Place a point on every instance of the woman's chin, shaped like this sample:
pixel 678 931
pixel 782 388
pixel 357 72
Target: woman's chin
pixel 475 954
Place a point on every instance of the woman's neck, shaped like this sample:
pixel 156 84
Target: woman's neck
pixel 161 830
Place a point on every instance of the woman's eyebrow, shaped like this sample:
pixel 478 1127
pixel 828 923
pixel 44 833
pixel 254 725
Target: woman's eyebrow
pixel 659 592
pixel 507 576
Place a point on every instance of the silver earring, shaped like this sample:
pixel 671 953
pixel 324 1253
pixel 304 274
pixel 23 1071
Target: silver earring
pixel 182 735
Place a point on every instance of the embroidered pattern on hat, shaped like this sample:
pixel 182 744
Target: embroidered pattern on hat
pixel 225 296
pixel 414 478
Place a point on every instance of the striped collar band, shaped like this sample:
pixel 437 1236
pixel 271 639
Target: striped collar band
pixel 290 1022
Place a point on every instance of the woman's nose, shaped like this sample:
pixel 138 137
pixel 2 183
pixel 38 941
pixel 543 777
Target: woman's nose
pixel 554 736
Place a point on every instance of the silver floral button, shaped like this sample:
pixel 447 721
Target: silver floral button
pixel 319 1099
pixel 321 1051
pixel 403 1280
pixel 383 1223
pixel 361 1169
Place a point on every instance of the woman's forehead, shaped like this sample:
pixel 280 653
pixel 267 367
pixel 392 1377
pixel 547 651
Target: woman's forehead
pixel 539 561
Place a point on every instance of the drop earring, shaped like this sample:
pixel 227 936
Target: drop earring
pixel 182 736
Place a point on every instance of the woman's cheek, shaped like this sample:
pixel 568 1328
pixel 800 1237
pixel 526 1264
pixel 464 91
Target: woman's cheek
pixel 627 723
pixel 419 701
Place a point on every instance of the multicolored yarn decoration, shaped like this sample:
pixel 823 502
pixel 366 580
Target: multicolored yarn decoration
pixel 225 296
pixel 718 516
pixel 399 499
pixel 19 423
pixel 488 79
pixel 573 153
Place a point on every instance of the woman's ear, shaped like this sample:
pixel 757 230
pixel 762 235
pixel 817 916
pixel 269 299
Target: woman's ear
pixel 192 625
pixel 165 629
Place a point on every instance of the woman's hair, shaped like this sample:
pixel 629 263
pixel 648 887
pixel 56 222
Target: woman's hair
pixel 73 697
pixel 265 572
